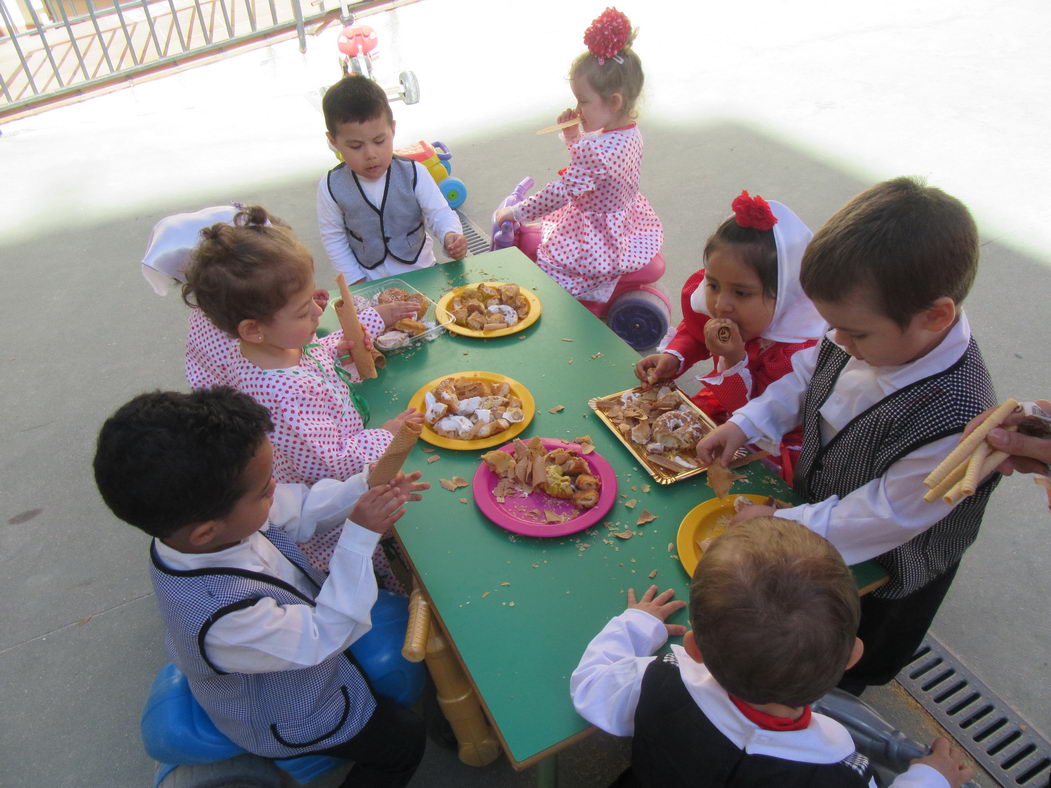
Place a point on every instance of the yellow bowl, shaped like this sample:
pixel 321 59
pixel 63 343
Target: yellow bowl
pixel 441 310
pixel 520 391
pixel 706 520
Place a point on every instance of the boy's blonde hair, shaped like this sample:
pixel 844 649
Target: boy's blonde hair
pixel 906 244
pixel 247 270
pixel 775 612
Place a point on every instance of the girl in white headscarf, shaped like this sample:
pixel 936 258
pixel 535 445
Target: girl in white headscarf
pixel 746 310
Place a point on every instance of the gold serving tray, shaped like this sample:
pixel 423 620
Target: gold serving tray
pixel 660 474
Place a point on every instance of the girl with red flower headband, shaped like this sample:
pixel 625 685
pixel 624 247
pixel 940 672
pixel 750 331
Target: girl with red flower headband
pixel 596 226
pixel 746 310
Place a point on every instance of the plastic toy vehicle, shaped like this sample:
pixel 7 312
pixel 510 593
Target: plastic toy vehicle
pixel 435 157
pixel 638 311
pixel 193 753
pixel 358 45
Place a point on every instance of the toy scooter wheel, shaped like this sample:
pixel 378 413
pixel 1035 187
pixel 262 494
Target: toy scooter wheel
pixel 410 87
pixel 448 167
pixel 639 318
pixel 244 771
pixel 454 191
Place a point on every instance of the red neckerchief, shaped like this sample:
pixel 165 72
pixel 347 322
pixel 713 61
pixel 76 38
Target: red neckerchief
pixel 620 128
pixel 768 722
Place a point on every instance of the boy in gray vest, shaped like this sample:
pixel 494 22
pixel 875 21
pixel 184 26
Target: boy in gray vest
pixel 374 209
pixel 882 400
pixel 774 616
pixel 261 635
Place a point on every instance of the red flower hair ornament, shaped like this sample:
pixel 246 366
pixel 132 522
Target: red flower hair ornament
pixel 753 212
pixel 608 35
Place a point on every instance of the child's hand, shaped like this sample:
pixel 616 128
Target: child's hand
pixel 409 414
pixel 344 346
pixel 409 485
pixel 455 246
pixel 570 133
pixel 751 512
pixel 731 350
pixel 321 297
pixel 503 215
pixel 396 310
pixel 659 606
pixel 949 762
pixel 379 508
pixel 721 443
pixel 655 367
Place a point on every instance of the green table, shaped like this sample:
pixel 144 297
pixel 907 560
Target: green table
pixel 520 610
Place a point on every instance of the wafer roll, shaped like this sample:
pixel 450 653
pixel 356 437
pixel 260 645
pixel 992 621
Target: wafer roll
pixel 970 443
pixel 388 465
pixel 957 492
pixel 352 330
pixel 946 484
pixel 416 631
pixel 974 468
pixel 559 126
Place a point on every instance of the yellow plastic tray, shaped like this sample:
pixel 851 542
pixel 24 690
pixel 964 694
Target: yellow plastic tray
pixel 520 391
pixel 441 311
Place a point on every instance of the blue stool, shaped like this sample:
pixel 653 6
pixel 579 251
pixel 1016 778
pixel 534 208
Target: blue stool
pixel 176 731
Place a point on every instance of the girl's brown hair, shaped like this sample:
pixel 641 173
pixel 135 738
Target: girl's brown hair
pixel 609 77
pixel 247 270
pixel 756 247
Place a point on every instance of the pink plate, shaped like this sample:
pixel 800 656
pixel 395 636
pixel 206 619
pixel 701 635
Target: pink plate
pixel 512 514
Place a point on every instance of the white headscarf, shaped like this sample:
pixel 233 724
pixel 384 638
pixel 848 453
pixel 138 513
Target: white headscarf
pixel 172 242
pixel 795 318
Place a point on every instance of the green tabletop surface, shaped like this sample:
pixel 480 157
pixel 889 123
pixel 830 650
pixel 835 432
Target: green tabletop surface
pixel 520 610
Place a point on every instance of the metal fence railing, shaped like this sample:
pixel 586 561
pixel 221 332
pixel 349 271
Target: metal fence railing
pixel 67 46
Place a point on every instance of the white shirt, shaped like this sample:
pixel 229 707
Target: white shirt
pixel 605 690
pixel 267 636
pixel 438 217
pixel 888 511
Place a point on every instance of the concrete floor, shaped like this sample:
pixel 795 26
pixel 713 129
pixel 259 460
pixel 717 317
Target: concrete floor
pixel 807 102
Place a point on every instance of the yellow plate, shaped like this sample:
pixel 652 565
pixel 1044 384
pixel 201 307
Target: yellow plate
pixel 703 522
pixel 520 391
pixel 441 310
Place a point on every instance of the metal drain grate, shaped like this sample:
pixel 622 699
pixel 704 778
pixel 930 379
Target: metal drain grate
pixel 477 242
pixel 993 733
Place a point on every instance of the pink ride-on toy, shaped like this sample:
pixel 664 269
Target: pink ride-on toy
pixel 358 46
pixel 638 311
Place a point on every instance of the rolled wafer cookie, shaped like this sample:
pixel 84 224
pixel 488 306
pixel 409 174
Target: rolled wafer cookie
pixel 967 446
pixel 388 465
pixel 352 330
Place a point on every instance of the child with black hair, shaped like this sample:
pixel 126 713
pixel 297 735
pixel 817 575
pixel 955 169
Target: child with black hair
pixel 375 208
pixel 261 635
pixel 746 311
pixel 882 400
pixel 774 612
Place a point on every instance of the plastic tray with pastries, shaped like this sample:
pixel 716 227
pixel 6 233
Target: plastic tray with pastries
pixel 409 332
pixel 488 309
pixel 660 426
pixel 473 410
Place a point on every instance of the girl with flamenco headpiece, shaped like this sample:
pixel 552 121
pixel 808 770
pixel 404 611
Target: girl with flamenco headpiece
pixel 746 310
pixel 596 226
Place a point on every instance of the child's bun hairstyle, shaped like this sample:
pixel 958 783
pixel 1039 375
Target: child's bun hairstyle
pixel 750 231
pixel 774 612
pixel 354 99
pixel 166 460
pixel 905 243
pixel 246 270
pixel 610 65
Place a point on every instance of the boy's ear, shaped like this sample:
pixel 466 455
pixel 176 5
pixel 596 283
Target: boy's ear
pixel 855 654
pixel 940 315
pixel 203 534
pixel 330 138
pixel 689 644
pixel 250 331
pixel 393 126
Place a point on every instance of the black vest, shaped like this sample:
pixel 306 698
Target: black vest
pixel 675 744
pixel 395 228
pixel 924 411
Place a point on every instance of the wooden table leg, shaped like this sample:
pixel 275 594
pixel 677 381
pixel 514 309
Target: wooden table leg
pixel 456 697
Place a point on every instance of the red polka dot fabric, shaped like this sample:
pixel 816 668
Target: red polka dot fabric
pixel 318 434
pixel 596 225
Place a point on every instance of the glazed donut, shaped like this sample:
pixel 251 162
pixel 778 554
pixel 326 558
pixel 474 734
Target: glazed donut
pixel 677 429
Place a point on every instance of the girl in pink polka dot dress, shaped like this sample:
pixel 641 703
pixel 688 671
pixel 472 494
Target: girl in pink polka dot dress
pixel 596 226
pixel 253 281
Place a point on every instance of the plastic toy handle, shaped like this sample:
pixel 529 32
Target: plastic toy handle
pixel 444 154
pixel 519 192
pixel 418 628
